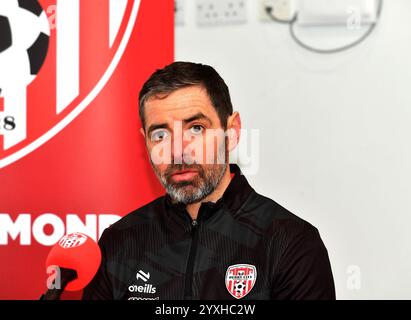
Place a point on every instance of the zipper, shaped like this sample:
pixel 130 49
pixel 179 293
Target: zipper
pixel 188 283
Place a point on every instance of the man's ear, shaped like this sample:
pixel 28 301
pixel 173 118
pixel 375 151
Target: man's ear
pixel 233 130
pixel 143 132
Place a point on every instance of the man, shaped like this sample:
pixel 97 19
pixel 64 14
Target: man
pixel 211 236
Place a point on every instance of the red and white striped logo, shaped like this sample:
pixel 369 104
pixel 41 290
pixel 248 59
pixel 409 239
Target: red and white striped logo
pixel 56 56
pixel 240 279
pixel 73 240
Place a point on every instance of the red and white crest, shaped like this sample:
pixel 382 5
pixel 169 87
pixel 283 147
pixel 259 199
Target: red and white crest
pixel 55 59
pixel 72 240
pixel 240 279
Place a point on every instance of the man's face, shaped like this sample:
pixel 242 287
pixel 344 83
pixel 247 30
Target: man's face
pixel 186 143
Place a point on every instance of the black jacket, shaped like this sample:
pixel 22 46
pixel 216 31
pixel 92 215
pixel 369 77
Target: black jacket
pixel 244 246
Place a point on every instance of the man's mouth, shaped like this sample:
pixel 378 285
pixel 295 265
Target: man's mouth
pixel 182 175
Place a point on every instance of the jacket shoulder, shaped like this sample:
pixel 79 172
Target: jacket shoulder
pixel 267 213
pixel 141 216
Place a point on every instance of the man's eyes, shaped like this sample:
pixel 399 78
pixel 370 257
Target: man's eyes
pixel 161 134
pixel 196 129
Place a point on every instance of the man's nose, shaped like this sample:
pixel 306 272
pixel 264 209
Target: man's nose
pixel 180 150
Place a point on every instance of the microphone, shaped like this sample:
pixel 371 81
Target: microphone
pixel 75 258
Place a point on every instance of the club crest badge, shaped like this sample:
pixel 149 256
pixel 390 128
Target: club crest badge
pixel 53 66
pixel 240 279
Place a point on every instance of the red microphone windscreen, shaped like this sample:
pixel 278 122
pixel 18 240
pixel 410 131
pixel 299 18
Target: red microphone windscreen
pixel 79 252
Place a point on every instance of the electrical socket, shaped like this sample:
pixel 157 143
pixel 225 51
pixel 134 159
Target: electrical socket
pixel 281 9
pixel 179 12
pixel 221 12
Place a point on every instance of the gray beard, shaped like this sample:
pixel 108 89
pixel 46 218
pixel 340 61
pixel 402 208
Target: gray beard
pixel 207 185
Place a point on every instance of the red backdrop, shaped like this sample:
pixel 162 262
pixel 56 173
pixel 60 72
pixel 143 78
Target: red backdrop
pixel 97 165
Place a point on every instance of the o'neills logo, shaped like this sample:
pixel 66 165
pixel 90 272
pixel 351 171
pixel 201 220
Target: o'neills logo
pixel 72 240
pixel 147 288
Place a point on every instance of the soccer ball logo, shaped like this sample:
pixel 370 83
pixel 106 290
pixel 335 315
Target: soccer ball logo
pixel 240 279
pixel 24 41
pixel 48 41
pixel 24 38
pixel 239 287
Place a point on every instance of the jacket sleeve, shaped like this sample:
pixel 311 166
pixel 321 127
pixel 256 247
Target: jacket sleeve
pixel 100 288
pixel 304 270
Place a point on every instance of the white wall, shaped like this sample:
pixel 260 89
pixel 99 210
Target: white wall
pixel 335 135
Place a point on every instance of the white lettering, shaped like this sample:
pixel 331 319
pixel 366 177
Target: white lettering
pixel 13 229
pixel 41 222
pixel 22 229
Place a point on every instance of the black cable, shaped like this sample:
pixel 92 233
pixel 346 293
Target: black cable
pixel 270 10
pixel 292 22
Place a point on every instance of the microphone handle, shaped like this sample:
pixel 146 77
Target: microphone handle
pixel 66 275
